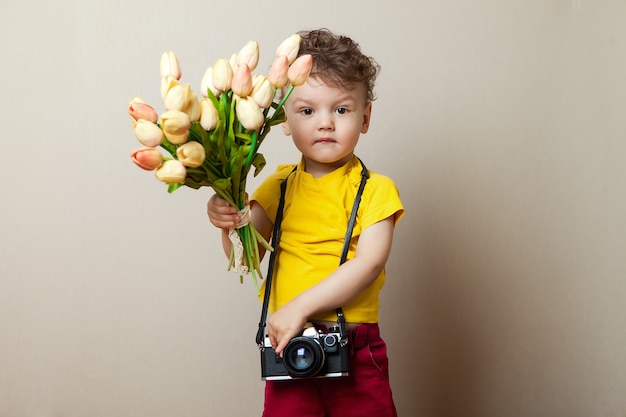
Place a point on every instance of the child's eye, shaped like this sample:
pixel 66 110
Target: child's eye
pixel 306 111
pixel 342 110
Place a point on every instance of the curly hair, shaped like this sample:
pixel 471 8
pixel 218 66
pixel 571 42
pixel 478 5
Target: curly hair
pixel 338 60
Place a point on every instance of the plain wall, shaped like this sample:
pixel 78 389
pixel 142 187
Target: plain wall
pixel 503 124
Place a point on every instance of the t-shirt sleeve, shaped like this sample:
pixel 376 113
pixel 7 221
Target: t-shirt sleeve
pixel 382 200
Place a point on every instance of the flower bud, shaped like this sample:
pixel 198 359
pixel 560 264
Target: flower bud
pixel 148 133
pixel 207 84
pixel 191 154
pixel 289 48
pixel 167 83
pixel 222 75
pixel 171 172
pixel 242 81
pixel 249 114
pixel 175 97
pixel 233 61
pixel 263 91
pixel 300 69
pixel 147 158
pixel 175 125
pixel 138 109
pixel 192 106
pixel 277 73
pixel 248 55
pixel 208 115
pixel 183 98
pixel 170 66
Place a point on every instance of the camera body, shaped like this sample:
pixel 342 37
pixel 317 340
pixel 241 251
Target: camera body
pixel 313 354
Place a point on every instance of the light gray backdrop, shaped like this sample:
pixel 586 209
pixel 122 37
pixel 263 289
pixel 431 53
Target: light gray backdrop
pixel 503 124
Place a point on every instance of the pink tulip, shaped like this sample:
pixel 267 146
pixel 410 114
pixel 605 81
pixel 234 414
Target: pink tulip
pixel 277 73
pixel 242 81
pixel 147 158
pixel 171 172
pixel 299 71
pixel 138 109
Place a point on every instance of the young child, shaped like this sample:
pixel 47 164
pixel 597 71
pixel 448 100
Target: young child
pixel 325 118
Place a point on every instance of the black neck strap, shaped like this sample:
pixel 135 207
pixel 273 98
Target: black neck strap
pixel 276 238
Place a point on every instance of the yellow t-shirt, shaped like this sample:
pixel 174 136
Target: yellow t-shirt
pixel 315 219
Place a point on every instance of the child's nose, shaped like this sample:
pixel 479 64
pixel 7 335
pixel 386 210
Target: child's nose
pixel 326 121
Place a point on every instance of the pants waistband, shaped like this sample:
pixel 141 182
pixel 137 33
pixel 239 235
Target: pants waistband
pixel 363 334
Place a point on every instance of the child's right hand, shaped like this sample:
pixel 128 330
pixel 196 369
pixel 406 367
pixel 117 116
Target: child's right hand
pixel 221 214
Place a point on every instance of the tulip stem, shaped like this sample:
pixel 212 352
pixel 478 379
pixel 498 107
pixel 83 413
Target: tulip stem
pixel 253 147
pixel 282 102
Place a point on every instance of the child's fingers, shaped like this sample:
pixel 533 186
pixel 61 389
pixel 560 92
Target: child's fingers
pixel 221 214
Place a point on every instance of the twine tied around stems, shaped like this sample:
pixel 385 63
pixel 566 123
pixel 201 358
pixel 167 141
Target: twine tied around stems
pixel 244 219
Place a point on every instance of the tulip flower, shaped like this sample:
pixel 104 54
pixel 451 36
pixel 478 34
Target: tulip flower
pixel 249 113
pixel 242 81
pixel 138 109
pixel 171 172
pixel 182 98
pixel 175 97
pixel 277 73
pixel 248 55
pixel 299 71
pixel 233 62
pixel 170 66
pixel 207 84
pixel 289 48
pixel 193 106
pixel 149 134
pixel 147 158
pixel 208 115
pixel 191 154
pixel 263 91
pixel 175 125
pixel 222 75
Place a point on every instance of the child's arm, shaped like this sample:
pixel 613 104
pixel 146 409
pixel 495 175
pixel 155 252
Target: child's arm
pixel 224 216
pixel 343 285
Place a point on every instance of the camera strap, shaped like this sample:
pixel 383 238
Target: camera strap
pixel 276 238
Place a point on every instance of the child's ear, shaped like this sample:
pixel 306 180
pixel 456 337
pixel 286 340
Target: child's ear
pixel 367 116
pixel 286 129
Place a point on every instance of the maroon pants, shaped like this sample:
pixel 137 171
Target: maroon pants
pixel 365 392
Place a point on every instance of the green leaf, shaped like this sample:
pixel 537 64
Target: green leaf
pixel 173 187
pixel 246 139
pixel 258 162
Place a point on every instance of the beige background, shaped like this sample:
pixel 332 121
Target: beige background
pixel 502 122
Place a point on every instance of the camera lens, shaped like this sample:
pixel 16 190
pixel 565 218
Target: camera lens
pixel 303 357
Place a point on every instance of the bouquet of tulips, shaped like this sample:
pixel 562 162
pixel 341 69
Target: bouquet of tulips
pixel 213 141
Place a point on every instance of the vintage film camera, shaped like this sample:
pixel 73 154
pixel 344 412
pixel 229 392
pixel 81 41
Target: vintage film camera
pixel 313 354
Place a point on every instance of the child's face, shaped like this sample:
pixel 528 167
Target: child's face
pixel 326 122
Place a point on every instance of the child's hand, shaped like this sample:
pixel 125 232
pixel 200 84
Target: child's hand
pixel 221 214
pixel 284 325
